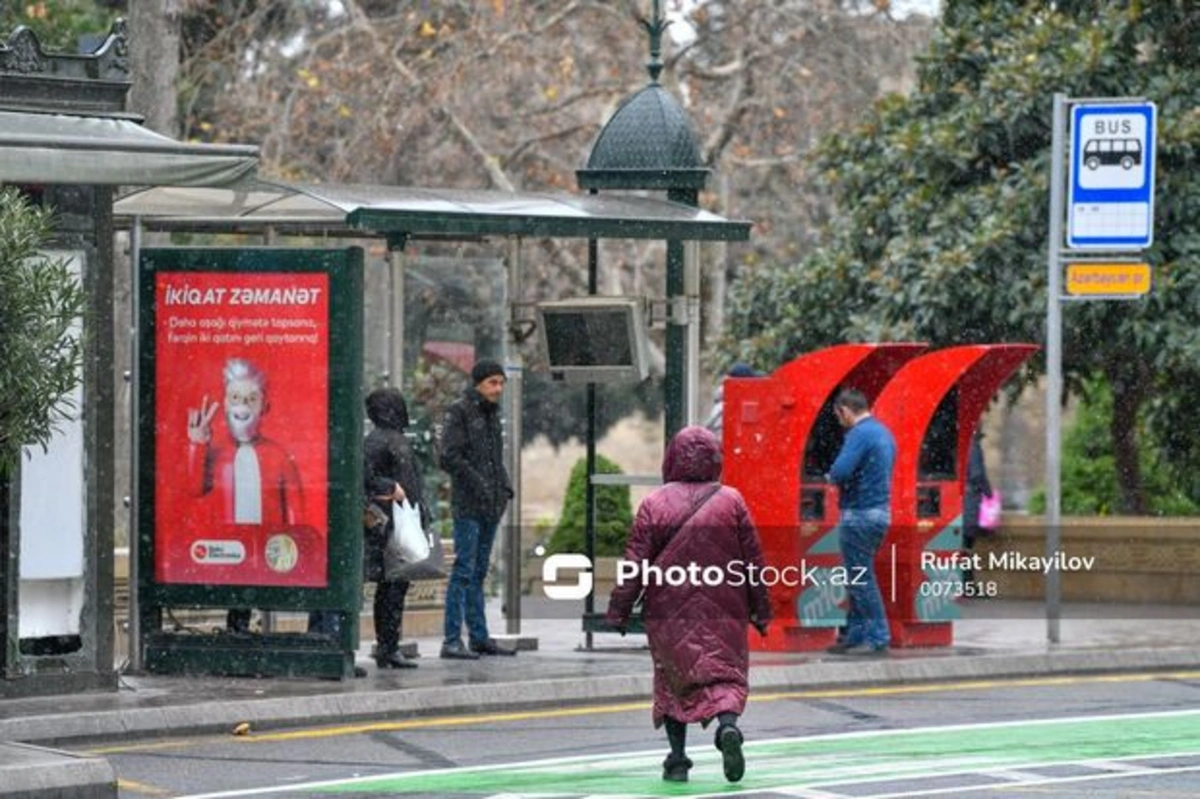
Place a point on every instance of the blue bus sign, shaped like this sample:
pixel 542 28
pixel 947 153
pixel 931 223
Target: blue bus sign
pixel 1111 201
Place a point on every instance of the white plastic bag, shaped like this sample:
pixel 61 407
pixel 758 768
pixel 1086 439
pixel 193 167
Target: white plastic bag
pixel 409 540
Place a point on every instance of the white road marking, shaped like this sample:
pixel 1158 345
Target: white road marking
pixel 958 790
pixel 1011 775
pixel 587 762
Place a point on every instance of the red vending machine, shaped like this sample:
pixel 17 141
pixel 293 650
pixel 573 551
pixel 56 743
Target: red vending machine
pixel 779 438
pixel 932 406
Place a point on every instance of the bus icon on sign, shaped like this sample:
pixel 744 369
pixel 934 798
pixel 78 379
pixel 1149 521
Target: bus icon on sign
pixel 1112 152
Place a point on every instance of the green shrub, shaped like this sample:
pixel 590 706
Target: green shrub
pixel 41 348
pixel 614 513
pixel 1089 468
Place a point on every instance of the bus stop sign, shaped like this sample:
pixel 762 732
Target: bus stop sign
pixel 1111 200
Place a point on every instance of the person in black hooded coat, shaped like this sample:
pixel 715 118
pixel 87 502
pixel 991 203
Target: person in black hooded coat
pixel 390 474
pixel 976 487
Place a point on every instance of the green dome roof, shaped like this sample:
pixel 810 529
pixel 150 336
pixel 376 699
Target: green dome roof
pixel 648 144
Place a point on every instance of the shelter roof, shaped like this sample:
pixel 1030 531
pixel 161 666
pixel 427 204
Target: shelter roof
pixel 49 148
pixel 347 209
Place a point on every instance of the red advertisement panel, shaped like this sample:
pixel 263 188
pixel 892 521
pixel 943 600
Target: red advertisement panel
pixel 241 428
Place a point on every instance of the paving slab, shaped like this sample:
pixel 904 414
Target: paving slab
pixel 32 772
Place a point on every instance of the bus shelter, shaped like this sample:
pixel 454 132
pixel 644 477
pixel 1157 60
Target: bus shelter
pixel 501 220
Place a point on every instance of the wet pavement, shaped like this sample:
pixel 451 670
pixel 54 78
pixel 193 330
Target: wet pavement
pixel 994 639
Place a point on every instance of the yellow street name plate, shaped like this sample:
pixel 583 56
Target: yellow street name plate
pixel 1085 279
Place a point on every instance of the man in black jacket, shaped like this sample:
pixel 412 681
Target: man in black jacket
pixel 472 452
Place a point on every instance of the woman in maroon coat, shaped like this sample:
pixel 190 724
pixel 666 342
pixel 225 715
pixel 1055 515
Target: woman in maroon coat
pixel 697 553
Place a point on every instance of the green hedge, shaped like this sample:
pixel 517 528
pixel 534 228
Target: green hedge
pixel 614 513
pixel 1089 468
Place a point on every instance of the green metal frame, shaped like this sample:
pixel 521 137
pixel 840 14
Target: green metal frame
pixel 276 654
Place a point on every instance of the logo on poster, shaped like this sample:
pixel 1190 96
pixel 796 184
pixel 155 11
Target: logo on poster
pixel 282 554
pixel 218 552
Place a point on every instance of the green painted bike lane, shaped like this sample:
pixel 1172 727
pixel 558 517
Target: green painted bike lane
pixel 816 762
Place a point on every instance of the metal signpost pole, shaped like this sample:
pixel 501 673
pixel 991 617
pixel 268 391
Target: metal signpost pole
pixel 691 290
pixel 395 333
pixel 133 617
pixel 513 371
pixel 1054 378
pixel 589 513
pixel 270 620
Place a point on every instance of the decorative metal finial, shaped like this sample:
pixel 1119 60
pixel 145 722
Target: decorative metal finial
pixel 655 27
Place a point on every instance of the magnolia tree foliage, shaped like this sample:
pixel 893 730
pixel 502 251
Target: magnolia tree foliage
pixel 40 348
pixel 1089 477
pixel 942 207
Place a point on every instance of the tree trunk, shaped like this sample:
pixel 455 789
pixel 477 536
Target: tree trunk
pixel 154 55
pixel 154 50
pixel 712 314
pixel 1128 392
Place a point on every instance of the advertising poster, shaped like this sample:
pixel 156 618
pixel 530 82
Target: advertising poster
pixel 241 456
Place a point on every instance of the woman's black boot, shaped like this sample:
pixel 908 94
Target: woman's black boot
pixel 729 743
pixel 675 767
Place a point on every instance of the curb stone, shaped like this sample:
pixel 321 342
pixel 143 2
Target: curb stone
pixel 361 706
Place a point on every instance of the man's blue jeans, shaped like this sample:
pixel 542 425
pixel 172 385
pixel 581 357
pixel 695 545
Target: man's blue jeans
pixel 473 539
pixel 859 534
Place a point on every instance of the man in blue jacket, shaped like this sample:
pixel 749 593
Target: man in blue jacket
pixel 863 474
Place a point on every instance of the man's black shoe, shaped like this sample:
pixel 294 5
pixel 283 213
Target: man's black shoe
pixel 393 660
pixel 490 647
pixel 359 672
pixel 839 648
pixel 867 651
pixel 456 651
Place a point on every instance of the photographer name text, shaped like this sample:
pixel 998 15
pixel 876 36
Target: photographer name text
pixel 1007 561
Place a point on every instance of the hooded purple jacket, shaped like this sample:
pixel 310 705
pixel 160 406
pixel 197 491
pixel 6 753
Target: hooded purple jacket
pixel 697 629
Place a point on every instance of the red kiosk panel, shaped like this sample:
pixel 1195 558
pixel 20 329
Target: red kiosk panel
pixel 778 443
pixel 932 406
